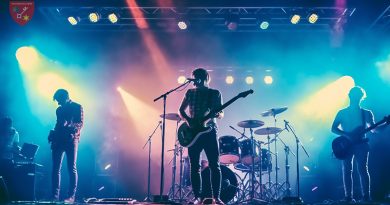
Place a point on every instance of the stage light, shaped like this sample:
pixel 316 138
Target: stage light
pixel 229 79
pixel 181 79
pixel 182 25
pixel 295 19
pixel 94 17
pixel 48 83
pixel 108 166
pixel 264 25
pixel 27 57
pixel 249 80
pixel 113 18
pixel 268 80
pixel 231 21
pixel 73 20
pixel 306 168
pixel 330 99
pixel 312 18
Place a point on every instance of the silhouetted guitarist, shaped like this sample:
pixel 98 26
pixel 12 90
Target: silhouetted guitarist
pixel 200 101
pixel 350 122
pixel 65 139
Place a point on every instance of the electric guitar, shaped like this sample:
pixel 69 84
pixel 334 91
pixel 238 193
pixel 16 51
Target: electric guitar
pixel 342 146
pixel 188 135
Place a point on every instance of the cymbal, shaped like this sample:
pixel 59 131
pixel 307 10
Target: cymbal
pixel 273 111
pixel 250 123
pixel 268 131
pixel 171 116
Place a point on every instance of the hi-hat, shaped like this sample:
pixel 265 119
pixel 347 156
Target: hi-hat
pixel 250 123
pixel 171 116
pixel 273 111
pixel 268 131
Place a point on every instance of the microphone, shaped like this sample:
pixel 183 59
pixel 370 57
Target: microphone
pixel 285 125
pixel 194 80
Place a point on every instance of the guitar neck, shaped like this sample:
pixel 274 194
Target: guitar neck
pixel 212 113
pixel 376 125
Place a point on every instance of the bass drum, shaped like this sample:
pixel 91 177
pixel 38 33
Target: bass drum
pixel 229 184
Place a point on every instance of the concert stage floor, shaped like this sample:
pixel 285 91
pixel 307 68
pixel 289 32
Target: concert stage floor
pixel 147 203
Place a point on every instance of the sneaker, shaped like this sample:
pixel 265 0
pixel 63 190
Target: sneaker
pixel 197 200
pixel 69 200
pixel 218 201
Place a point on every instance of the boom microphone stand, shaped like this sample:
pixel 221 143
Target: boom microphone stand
pixel 298 144
pixel 164 97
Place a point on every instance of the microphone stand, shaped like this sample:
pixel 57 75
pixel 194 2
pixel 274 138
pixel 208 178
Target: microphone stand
pixel 298 142
pixel 149 141
pixel 164 97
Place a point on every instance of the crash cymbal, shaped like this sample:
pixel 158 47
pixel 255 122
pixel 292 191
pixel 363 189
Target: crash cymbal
pixel 171 116
pixel 250 123
pixel 273 111
pixel 268 131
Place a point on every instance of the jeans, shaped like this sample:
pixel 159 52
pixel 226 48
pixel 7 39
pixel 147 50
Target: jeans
pixel 209 143
pixel 360 155
pixel 70 149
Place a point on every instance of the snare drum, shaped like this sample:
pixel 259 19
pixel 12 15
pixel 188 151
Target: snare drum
pixel 229 152
pixel 246 152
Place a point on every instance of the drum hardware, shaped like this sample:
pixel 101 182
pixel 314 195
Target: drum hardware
pixel 273 111
pixel 177 151
pixel 253 124
pixel 276 131
pixel 149 142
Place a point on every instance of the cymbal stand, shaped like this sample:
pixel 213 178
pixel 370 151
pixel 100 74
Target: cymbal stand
pixel 172 192
pixel 149 141
pixel 287 151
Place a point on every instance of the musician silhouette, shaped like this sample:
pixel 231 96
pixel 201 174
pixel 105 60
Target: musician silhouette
pixel 351 122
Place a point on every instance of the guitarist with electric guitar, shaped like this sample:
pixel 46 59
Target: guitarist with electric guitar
pixel 351 123
pixel 199 131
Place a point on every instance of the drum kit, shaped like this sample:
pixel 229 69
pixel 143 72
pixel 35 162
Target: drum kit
pixel 250 156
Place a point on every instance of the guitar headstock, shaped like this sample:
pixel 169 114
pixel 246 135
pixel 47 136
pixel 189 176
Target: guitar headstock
pixel 245 93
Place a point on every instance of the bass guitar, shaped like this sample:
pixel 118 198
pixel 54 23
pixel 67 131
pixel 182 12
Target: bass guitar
pixel 342 146
pixel 188 135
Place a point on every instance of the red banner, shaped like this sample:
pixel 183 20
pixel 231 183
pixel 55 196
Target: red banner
pixel 21 11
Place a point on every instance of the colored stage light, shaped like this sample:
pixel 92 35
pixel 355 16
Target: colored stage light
pixel 48 83
pixel 94 17
pixel 27 57
pixel 181 79
pixel 73 20
pixel 330 99
pixel 113 18
pixel 229 79
pixel 108 166
pixel 231 21
pixel 249 80
pixel 312 18
pixel 268 80
pixel 264 25
pixel 295 19
pixel 182 25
